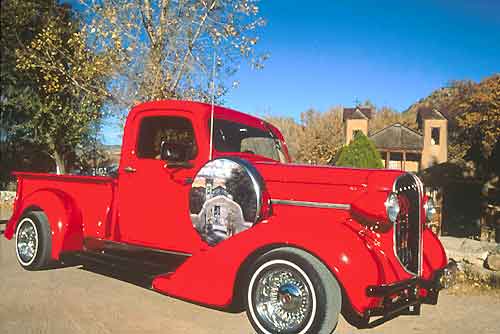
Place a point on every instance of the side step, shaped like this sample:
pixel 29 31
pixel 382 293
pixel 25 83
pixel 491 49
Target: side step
pixel 127 258
pixel 123 262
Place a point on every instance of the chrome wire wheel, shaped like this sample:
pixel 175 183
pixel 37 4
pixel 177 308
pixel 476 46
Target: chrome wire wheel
pixel 282 297
pixel 26 241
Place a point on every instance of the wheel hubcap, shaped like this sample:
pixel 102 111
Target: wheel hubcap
pixel 27 242
pixel 283 301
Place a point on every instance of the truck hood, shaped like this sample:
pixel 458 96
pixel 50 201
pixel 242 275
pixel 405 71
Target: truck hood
pixel 325 184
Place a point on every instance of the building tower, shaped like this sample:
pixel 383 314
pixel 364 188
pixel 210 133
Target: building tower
pixel 434 127
pixel 356 119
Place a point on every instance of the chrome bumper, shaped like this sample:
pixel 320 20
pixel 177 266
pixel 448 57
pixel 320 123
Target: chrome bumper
pixel 403 298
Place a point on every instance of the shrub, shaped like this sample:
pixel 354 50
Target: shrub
pixel 361 152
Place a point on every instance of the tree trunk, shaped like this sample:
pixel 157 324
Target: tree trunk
pixel 59 160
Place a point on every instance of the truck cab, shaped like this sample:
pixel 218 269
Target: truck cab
pixel 170 146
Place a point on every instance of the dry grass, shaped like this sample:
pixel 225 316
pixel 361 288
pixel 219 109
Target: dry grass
pixel 476 281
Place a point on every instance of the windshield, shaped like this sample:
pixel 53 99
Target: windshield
pixel 236 137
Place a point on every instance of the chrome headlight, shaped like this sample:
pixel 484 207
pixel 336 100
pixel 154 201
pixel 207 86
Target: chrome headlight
pixel 392 207
pixel 430 209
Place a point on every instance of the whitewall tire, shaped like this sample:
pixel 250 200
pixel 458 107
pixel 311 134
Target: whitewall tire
pixel 290 291
pixel 33 241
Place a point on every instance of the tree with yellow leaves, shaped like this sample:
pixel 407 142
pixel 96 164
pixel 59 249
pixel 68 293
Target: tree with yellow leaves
pixel 478 117
pixel 71 85
pixel 317 139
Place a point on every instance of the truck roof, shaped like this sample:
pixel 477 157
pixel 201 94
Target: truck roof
pixel 199 109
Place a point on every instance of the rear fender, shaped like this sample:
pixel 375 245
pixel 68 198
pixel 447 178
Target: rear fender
pixel 209 277
pixel 64 219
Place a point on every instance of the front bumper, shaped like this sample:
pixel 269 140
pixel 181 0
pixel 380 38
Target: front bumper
pixel 406 297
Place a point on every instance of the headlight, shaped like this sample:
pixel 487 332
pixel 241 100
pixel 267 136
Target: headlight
pixel 392 207
pixel 430 209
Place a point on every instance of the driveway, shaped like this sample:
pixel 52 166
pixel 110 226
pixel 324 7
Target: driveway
pixel 87 300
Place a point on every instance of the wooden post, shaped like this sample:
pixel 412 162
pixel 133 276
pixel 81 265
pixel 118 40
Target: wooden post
pixel 404 160
pixel 387 159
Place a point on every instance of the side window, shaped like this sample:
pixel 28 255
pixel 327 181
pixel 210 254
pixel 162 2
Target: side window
pixel 435 136
pixel 176 132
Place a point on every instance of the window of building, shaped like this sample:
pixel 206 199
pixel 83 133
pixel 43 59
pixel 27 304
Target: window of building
pixel 396 161
pixel 177 132
pixel 435 136
pixel 412 157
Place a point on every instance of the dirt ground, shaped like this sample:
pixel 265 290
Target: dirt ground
pixel 84 300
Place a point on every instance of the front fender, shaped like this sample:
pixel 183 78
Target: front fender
pixel 209 277
pixel 434 255
pixel 65 221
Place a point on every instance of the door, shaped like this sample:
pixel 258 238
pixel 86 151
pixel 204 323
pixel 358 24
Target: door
pixel 153 195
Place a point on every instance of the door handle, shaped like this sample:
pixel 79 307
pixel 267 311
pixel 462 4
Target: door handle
pixel 130 169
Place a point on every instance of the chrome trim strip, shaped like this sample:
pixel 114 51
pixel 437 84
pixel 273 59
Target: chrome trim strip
pixel 421 226
pixel 312 204
pixel 419 185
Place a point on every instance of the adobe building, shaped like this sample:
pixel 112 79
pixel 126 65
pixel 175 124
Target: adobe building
pixel 399 146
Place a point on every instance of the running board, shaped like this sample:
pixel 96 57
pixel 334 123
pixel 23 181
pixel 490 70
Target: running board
pixel 90 243
pixel 130 257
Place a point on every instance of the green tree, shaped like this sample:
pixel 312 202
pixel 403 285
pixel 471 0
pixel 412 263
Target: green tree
pixel 361 152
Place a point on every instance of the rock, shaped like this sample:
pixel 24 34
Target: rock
pixel 493 262
pixel 468 250
pixel 481 275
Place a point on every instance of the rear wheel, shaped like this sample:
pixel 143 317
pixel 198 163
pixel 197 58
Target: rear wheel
pixel 34 241
pixel 290 291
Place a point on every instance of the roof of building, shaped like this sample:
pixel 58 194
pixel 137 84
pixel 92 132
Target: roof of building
pixel 357 113
pixel 397 137
pixel 429 113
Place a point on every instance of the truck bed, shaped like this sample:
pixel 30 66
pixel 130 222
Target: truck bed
pixel 87 201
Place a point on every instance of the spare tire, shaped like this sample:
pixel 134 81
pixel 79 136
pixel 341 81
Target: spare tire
pixel 225 198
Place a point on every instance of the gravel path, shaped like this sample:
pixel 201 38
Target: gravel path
pixel 76 300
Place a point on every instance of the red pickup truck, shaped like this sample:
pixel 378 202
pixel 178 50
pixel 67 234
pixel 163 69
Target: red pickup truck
pixel 295 245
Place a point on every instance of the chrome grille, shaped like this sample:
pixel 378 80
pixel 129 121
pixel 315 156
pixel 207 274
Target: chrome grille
pixel 407 228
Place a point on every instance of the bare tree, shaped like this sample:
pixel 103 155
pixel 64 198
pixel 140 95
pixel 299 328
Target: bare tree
pixel 165 49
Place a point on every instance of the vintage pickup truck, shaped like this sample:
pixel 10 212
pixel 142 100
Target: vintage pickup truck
pixel 295 245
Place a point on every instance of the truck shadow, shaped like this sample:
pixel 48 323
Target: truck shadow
pixel 130 276
pixel 135 268
pixel 142 278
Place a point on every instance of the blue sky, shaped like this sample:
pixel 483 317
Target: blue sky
pixel 326 53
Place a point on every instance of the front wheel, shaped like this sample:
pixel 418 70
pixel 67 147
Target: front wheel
pixel 290 291
pixel 34 241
